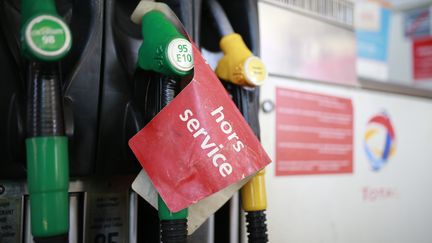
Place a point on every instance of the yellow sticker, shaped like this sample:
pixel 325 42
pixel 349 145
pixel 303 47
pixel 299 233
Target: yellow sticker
pixel 255 71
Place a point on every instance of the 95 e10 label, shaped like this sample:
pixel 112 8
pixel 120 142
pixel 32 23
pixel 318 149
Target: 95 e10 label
pixel 180 54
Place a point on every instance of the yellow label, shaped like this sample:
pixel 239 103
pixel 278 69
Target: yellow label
pixel 255 71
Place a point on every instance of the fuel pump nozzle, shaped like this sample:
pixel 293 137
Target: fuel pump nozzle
pixel 45 40
pixel 240 67
pixel 166 56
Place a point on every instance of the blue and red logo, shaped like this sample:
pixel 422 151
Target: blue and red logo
pixel 379 140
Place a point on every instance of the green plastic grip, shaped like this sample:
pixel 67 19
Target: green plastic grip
pixel 49 201
pixel 166 214
pixel 164 49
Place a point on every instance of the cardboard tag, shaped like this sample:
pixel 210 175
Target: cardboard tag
pixel 199 212
pixel 199 143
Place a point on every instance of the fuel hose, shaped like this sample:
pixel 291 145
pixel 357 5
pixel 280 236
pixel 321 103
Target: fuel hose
pixel 166 55
pixel 241 68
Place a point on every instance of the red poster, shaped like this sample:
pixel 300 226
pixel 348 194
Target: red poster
pixel 199 143
pixel 314 133
pixel 422 59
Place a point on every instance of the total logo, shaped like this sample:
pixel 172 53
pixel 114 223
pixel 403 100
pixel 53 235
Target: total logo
pixel 379 141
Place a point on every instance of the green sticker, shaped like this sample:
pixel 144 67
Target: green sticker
pixel 48 36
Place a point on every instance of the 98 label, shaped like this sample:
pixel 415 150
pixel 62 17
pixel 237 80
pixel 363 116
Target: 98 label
pixel 48 36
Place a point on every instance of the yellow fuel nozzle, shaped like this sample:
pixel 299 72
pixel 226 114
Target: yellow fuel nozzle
pixel 239 65
pixel 253 193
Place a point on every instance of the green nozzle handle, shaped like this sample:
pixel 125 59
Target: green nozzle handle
pixel 47 152
pixel 44 34
pixel 48 181
pixel 164 49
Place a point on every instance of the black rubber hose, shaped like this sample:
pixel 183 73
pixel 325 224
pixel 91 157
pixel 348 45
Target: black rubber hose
pixel 159 90
pixel 169 90
pixel 256 227
pixel 54 239
pixel 174 231
pixel 44 107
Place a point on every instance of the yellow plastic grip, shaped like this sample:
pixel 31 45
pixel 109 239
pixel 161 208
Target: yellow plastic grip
pixel 253 193
pixel 239 65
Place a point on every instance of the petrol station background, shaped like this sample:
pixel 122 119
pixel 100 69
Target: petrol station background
pixel 365 58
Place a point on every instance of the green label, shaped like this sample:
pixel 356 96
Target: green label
pixel 48 35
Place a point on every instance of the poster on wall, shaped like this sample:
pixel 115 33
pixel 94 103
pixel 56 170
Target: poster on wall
pixel 372 26
pixel 417 23
pixel 422 59
pixel 314 133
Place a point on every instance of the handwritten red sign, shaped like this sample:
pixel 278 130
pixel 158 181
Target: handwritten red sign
pixel 199 143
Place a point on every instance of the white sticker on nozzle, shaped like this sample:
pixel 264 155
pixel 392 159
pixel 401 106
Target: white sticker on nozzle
pixel 48 36
pixel 180 54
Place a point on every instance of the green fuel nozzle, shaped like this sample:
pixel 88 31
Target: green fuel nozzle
pixel 167 54
pixel 45 40
pixel 164 50
pixel 44 34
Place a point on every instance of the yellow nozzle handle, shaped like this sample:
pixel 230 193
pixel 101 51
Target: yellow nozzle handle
pixel 253 193
pixel 239 65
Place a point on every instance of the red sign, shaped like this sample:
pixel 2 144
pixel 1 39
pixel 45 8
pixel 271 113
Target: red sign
pixel 314 133
pixel 422 59
pixel 199 143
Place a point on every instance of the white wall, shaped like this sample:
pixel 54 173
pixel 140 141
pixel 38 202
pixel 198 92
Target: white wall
pixel 333 208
